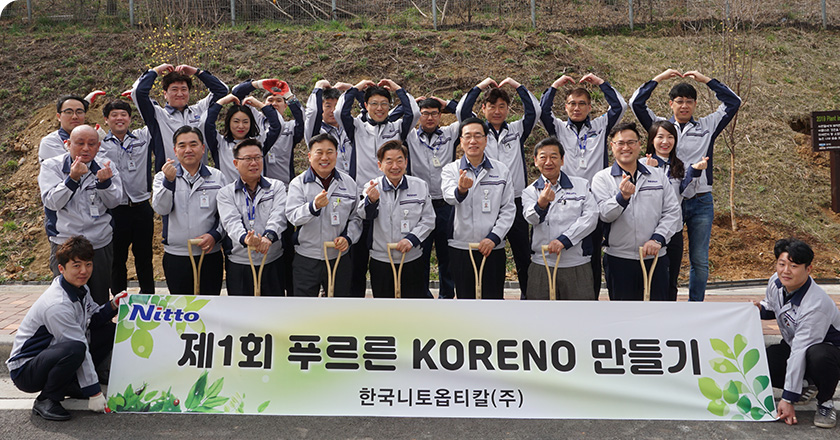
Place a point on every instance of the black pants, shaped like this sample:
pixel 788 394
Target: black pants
pixel 674 252
pixel 439 238
pixel 412 284
pixel 359 255
pixel 822 367
pixel 240 279
pixel 493 280
pixel 311 276
pixel 53 371
pixel 596 238
pixel 287 259
pixel 626 283
pixel 520 245
pixel 179 274
pixel 133 226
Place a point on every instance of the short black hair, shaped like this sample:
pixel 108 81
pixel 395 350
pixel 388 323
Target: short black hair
pixel 494 95
pixel 250 142
pixel 331 93
pixel 472 120
pixel 798 251
pixel 391 145
pixel 376 90
pixel 579 91
pixel 65 98
pixel 187 129
pixel 430 103
pixel 76 247
pixel 116 104
pixel 320 137
pixel 625 126
pixel 173 77
pixel 551 140
pixel 682 90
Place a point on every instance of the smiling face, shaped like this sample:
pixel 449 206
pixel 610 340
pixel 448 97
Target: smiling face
pixel 240 125
pixel 189 150
pixel 429 119
pixel 625 148
pixel 322 157
pixel 473 141
pixel 496 113
pixel 72 115
pixel 578 107
pixel 663 143
pixel 683 108
pixel 393 165
pixel 377 107
pixel 549 161
pixel 84 143
pixel 328 114
pixel 76 272
pixel 177 95
pixel 792 275
pixel 249 163
pixel 277 102
pixel 118 121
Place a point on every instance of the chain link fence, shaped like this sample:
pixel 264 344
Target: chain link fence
pixel 550 15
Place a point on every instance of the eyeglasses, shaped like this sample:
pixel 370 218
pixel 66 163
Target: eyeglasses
pixel 573 104
pixel 684 101
pixel 469 137
pixel 251 158
pixel 429 114
pixel 630 143
pixel 70 112
pixel 379 104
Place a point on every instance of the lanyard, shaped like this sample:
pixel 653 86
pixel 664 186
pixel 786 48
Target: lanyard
pixel 582 143
pixel 251 207
pixel 337 130
pixel 437 143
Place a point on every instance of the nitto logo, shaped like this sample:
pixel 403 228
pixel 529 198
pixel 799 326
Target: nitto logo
pixel 152 313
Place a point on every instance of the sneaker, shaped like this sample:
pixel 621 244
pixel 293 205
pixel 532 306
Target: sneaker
pixel 825 417
pixel 49 409
pixel 808 393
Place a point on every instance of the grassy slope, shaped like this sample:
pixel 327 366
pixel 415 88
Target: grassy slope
pixel 781 188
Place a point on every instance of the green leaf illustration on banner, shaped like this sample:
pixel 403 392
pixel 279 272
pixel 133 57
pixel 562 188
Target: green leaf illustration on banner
pixel 722 348
pixel 142 343
pixel 263 406
pixel 200 399
pixel 124 331
pixel 736 392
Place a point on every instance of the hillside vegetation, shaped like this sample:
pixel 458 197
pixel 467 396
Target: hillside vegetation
pixel 781 187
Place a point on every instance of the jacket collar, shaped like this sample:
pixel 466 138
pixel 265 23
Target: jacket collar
pixel 563 180
pixel 263 183
pixel 616 170
pixel 387 186
pixel 309 175
pixel 93 167
pixel 74 293
pixel 485 163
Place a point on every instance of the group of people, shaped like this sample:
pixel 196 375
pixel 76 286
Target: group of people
pixel 386 179
pixel 385 183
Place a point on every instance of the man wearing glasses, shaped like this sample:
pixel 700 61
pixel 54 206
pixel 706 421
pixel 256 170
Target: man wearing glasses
pixel 368 132
pixel 481 191
pixel 639 211
pixel 696 140
pixel 252 211
pixel 431 147
pixel 585 141
pixel 70 112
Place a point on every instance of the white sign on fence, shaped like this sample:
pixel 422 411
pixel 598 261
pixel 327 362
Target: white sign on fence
pixel 385 357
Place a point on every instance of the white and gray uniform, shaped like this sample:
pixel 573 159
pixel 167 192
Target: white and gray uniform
pixel 570 218
pixel 508 144
pixel 586 150
pixel 78 208
pixel 402 212
pixel 684 188
pixel 487 210
pixel 652 213
pixel 314 124
pixel 429 152
pixel 264 214
pixel 368 136
pixel 188 207
pixel 52 145
pixel 132 158
pixel 315 226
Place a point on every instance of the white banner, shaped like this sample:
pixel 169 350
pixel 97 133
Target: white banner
pixel 439 358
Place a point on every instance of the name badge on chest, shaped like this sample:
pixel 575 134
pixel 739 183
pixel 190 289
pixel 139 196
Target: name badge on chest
pixel 335 219
pixel 271 158
pixel 485 203
pixel 436 162
pixel 404 226
pixel 132 165
pixel 204 200
pixel 94 210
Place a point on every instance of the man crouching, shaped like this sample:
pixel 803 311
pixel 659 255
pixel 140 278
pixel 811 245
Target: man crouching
pixel 52 353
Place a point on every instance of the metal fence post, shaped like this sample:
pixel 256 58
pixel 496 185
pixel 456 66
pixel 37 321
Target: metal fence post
pixel 233 12
pixel 131 12
pixel 534 14
pixel 434 13
pixel 29 10
pixel 825 19
pixel 630 2
pixel 334 10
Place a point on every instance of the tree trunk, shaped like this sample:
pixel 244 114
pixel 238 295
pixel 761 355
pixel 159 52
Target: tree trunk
pixel 732 190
